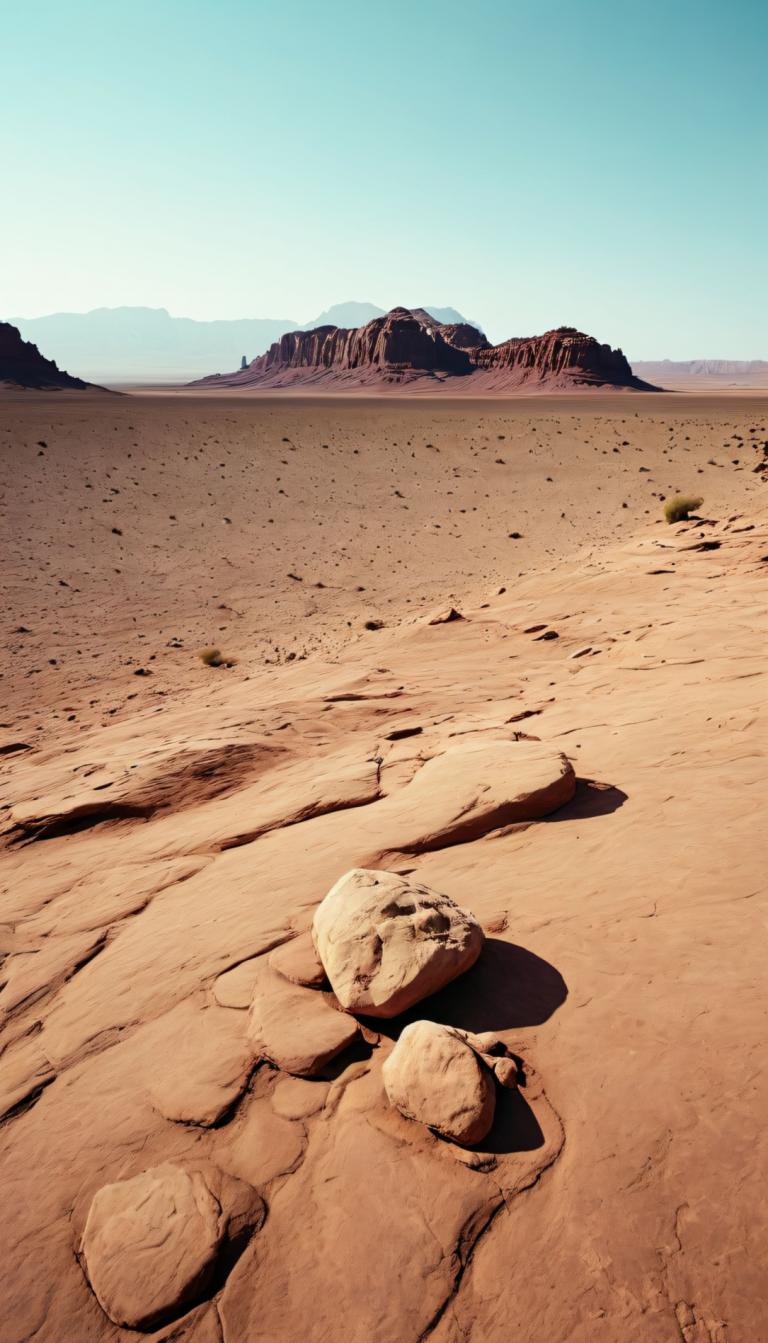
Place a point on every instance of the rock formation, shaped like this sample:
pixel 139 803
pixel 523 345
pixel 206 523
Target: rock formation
pixel 565 357
pixel 387 943
pixel 22 364
pixel 406 347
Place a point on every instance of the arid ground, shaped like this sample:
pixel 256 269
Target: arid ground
pixel 167 824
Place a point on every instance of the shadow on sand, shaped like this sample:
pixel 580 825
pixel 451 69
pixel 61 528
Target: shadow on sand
pixel 590 799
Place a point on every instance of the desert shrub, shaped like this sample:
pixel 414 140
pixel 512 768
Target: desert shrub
pixel 677 509
pixel 213 657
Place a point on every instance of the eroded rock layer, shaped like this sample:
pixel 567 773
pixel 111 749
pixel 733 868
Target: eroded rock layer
pixel 408 347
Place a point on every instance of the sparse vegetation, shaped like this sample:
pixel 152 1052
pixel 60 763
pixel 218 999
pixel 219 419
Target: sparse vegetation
pixel 213 657
pixel 678 509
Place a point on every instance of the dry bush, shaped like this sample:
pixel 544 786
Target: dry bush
pixel 677 509
pixel 213 657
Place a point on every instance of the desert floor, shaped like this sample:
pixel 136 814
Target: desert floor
pixel 167 824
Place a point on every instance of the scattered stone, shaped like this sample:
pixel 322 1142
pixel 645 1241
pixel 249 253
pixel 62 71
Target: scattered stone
pixel 444 616
pixel 386 942
pixel 434 1077
pixel 151 1244
pixel 298 1031
pixel 298 962
pixel 548 634
pixel 505 1071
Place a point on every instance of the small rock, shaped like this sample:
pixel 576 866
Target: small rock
pixel 444 616
pixel 434 1077
pixel 505 1071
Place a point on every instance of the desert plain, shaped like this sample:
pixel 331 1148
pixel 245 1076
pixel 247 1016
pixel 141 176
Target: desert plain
pixel 393 580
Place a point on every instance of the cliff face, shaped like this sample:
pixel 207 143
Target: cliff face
pixel 563 356
pixel 397 344
pixel 22 365
pixel 405 347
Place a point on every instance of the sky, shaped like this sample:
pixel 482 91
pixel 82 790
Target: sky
pixel 601 164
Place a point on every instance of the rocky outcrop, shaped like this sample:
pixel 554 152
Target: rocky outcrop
pixel 22 365
pixel 395 347
pixel 561 357
pixel 387 942
pixel 406 347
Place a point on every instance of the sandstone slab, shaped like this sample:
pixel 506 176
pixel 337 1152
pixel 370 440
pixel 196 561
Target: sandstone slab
pixel 435 1077
pixel 477 787
pixel 150 1244
pixel 295 1029
pixel 298 962
pixel 387 943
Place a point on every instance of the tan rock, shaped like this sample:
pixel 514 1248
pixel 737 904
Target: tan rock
pixel 296 1030
pixel 480 786
pixel 298 1098
pixel 262 1145
pixel 387 942
pixel 151 1243
pixel 298 962
pixel 434 1077
pixel 200 1063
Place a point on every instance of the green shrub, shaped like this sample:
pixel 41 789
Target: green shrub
pixel 213 657
pixel 677 509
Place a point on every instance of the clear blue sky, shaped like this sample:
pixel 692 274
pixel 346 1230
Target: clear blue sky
pixel 602 164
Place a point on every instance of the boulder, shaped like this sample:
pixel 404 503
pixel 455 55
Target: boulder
pixel 387 942
pixel 435 1077
pixel 150 1244
pixel 295 1029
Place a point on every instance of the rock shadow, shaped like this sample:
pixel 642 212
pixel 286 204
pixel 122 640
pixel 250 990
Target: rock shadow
pixel 515 1126
pixel 590 799
pixel 508 988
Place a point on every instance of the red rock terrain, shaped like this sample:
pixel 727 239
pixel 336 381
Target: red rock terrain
pixel 409 349
pixel 526 818
pixel 22 365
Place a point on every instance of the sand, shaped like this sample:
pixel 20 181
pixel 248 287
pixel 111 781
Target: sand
pixel 163 831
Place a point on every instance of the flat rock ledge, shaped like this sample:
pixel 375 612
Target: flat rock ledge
pixel 152 1245
pixel 386 942
pixel 295 1029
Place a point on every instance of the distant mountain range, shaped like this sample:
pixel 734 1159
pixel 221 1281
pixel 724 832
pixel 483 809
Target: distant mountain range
pixel 696 372
pixel 113 345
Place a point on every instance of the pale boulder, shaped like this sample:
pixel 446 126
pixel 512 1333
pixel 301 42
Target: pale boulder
pixel 387 943
pixel 435 1077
